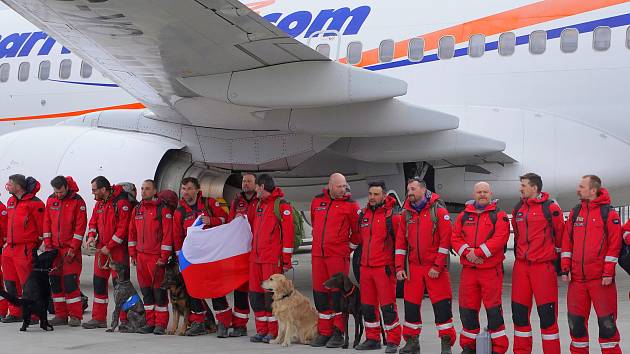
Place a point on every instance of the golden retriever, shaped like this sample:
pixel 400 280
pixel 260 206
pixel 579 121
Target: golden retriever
pixel 297 318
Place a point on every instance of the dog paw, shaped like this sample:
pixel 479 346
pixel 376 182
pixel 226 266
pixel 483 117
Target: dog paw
pixel 285 344
pixel 170 332
pixel 275 341
pixel 111 330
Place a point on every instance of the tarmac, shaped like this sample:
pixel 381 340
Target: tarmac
pixel 64 339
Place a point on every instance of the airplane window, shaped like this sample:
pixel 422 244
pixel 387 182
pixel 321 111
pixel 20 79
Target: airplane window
pixel 601 38
pixel 86 70
pixel 4 72
pixel 446 49
pixel 355 51
pixel 537 42
pixel 416 49
pixel 507 44
pixel 476 45
pixel 569 40
pixel 23 71
pixel 323 49
pixel 386 51
pixel 65 68
pixel 44 70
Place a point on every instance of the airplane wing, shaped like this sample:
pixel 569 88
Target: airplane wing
pixel 165 52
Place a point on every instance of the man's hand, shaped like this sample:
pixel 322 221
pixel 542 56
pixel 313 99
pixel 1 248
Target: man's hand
pixel 134 261
pixel 69 256
pixel 160 263
pixel 401 275
pixel 105 251
pixel 206 220
pixel 472 258
pixel 89 242
pixel 566 278
pixel 607 281
pixel 286 268
pixel 433 274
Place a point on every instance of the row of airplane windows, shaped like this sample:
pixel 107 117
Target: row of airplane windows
pixel 24 70
pixel 477 45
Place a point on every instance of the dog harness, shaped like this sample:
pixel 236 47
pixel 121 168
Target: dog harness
pixel 131 302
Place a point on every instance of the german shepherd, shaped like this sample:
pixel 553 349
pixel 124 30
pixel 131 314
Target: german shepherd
pixel 180 300
pixel 36 291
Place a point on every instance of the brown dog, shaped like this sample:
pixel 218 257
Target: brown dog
pixel 297 318
pixel 180 300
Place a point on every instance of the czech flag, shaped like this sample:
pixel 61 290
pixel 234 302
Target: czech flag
pixel 214 262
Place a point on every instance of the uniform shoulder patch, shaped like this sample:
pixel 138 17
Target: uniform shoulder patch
pixel 4 212
pixel 125 208
pixel 616 221
pixel 358 211
pixel 447 217
pixel 82 207
pixel 286 212
pixel 169 216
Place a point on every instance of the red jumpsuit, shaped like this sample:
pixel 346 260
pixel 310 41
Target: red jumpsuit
pixel 537 243
pixel 485 232
pixel 335 235
pixel 65 221
pixel 149 241
pixel 240 314
pixel 183 218
pixel 4 305
pixel 590 252
pixel 377 229
pixel 626 237
pixel 110 221
pixel 426 247
pixel 25 218
pixel 272 248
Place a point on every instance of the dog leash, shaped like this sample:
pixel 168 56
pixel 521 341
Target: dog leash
pixel 100 264
pixel 349 293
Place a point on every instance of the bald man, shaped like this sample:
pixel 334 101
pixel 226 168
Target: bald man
pixel 480 236
pixel 335 222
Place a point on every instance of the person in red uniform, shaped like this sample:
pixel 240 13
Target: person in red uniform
pixel 110 224
pixel 191 206
pixel 240 206
pixel 538 226
pixel 65 221
pixel 590 251
pixel 272 249
pixel 480 235
pixel 149 249
pixel 626 237
pixel 426 243
pixel 25 219
pixel 334 218
pixel 4 304
pixel 377 227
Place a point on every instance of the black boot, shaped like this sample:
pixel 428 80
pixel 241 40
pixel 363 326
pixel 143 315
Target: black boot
pixel 468 350
pixel 336 341
pixel 320 341
pixel 446 345
pixel 222 331
pixel 369 344
pixel 391 348
pixel 196 329
pixel 412 346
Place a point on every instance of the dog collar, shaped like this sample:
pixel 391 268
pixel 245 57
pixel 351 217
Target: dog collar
pixel 43 270
pixel 354 287
pixel 131 301
pixel 286 296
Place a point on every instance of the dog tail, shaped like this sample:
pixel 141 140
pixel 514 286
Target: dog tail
pixel 11 298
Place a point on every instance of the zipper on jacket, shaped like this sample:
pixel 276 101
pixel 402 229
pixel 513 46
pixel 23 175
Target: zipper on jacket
pixel 324 226
pixel 584 238
pixel 258 232
pixel 15 209
pixel 418 240
pixel 370 239
pixel 59 223
pixel 477 228
pixel 527 230
pixel 601 245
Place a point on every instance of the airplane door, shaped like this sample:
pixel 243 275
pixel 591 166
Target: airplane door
pixel 326 42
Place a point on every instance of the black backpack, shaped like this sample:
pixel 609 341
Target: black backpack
pixel 493 218
pixel 358 252
pixel 624 257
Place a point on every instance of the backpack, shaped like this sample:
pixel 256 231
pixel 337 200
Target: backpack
pixel 432 212
pixel 298 223
pixel 624 257
pixel 604 210
pixel 493 218
pixel 546 212
pixel 389 224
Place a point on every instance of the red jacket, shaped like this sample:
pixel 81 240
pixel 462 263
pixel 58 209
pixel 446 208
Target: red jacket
pixel 111 221
pixel 273 239
pixel 335 225
pixel 416 239
pixel 378 242
pixel 241 205
pixel 25 218
pixel 533 237
pixel 150 229
pixel 478 232
pixel 3 224
pixel 590 249
pixel 65 220
pixel 186 215
pixel 626 232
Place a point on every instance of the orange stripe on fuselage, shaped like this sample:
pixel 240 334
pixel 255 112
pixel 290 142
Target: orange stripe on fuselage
pixel 520 17
pixel 75 113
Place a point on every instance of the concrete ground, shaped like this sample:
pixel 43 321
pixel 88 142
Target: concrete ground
pixel 65 339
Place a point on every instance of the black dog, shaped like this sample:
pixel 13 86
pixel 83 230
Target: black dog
pixel 350 305
pixel 36 291
pixel 127 299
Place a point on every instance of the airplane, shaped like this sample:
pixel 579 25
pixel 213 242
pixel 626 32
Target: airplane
pixel 455 92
